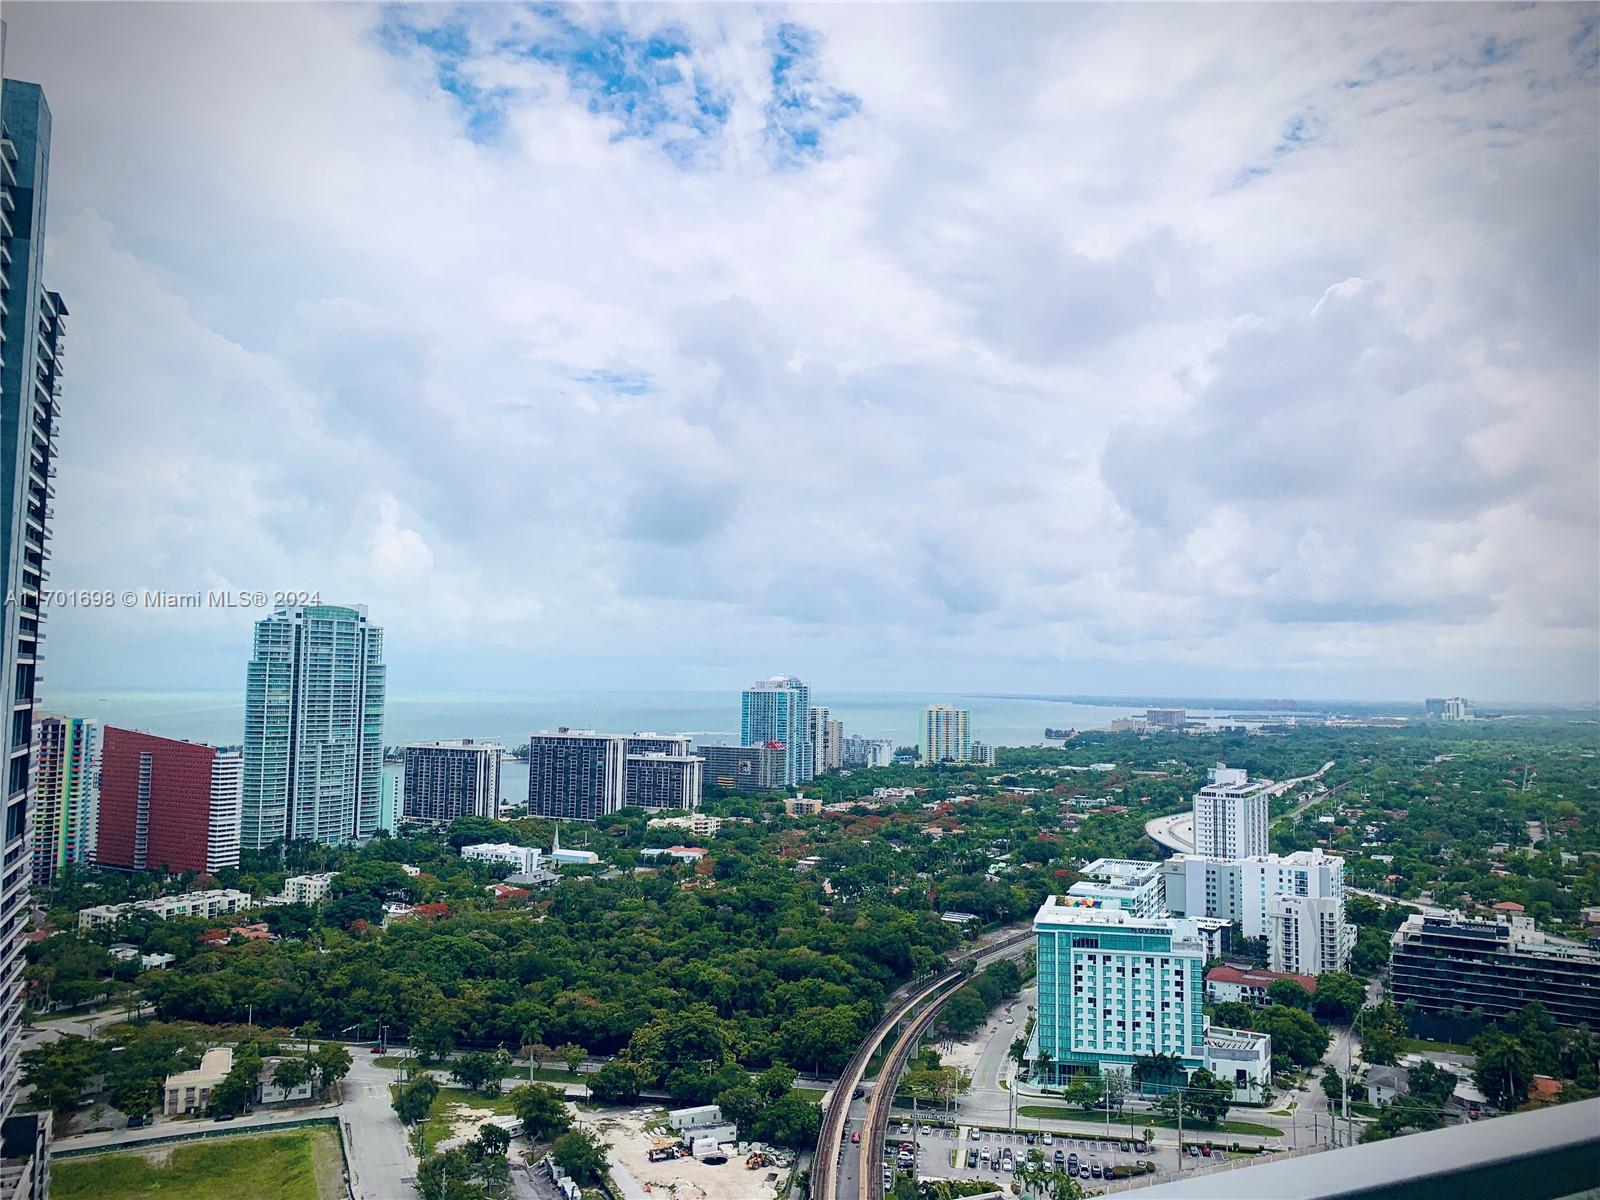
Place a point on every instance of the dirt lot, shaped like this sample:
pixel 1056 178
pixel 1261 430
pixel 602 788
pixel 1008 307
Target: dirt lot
pixel 679 1179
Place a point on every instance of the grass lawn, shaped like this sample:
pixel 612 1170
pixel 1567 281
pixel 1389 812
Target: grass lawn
pixel 437 1126
pixel 303 1165
pixel 1140 1120
pixel 815 1094
pixel 1413 1045
pixel 540 1074
pixel 1201 1133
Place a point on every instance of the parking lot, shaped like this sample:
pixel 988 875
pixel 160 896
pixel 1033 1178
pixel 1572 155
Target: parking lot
pixel 970 1154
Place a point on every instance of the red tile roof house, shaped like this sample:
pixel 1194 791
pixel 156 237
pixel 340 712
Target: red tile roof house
pixel 1249 985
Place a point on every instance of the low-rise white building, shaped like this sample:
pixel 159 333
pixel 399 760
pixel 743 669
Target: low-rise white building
pixel 681 853
pixel 190 1091
pixel 1246 985
pixel 1243 1058
pixel 520 858
pixel 698 823
pixel 268 1091
pixel 207 904
pixel 306 889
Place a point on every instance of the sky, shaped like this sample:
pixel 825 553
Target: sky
pixel 1219 350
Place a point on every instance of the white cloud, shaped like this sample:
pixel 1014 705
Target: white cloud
pixel 1089 349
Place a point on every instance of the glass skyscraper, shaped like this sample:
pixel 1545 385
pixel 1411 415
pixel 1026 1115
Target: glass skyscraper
pixel 775 713
pixel 66 788
pixel 32 340
pixel 313 727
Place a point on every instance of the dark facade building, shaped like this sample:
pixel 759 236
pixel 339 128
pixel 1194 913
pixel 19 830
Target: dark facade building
pixel 658 743
pixel 657 780
pixel 743 768
pixel 32 344
pixel 446 780
pixel 576 774
pixel 166 805
pixel 1443 962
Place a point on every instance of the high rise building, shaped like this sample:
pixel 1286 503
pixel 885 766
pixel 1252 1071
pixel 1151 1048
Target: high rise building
pixel 167 805
pixel 743 768
pixel 660 780
pixel 32 343
pixel 826 737
pixel 446 780
pixel 946 734
pixel 1230 815
pixel 1434 706
pixel 313 736
pixel 1240 889
pixel 1458 708
pixel 576 774
pixel 867 752
pixel 983 754
pixel 1308 935
pixel 1115 987
pixel 1165 718
pixel 66 794
pixel 774 713
pixel 390 804
pixel 662 772
pixel 227 810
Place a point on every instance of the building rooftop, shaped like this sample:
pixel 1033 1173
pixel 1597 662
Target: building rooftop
pixel 1250 977
pixel 1119 869
pixel 214 1064
pixel 1235 1039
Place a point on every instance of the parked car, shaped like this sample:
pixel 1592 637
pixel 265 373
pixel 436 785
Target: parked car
pixel 1194 1151
pixel 1048 1138
pixel 1094 1169
pixel 1205 1151
pixel 972 1159
pixel 975 1133
pixel 135 1122
pixel 855 1137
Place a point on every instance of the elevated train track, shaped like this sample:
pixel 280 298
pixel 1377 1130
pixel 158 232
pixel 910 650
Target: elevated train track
pixel 830 1140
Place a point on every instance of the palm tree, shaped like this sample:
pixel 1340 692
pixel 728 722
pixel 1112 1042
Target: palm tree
pixel 1064 1187
pixel 1030 1174
pixel 1581 1048
pixel 1042 1062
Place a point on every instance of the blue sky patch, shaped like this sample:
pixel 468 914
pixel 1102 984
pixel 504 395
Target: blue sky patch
pixel 802 106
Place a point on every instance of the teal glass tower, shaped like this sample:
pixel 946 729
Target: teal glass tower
pixel 313 734
pixel 1115 988
pixel 774 713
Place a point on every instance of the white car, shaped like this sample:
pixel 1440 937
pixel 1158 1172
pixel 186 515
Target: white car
pixel 1048 1139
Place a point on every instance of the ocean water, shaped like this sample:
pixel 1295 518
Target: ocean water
pixel 218 717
